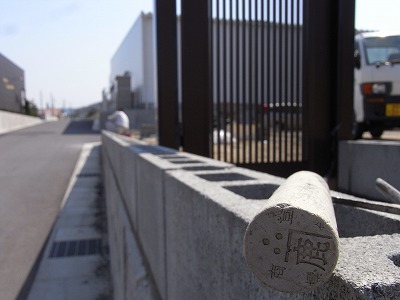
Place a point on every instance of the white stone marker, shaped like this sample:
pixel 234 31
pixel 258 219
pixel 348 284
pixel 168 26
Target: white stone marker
pixel 292 244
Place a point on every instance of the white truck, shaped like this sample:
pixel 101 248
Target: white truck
pixel 376 83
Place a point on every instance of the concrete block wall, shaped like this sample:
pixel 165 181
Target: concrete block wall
pixel 361 162
pixel 130 279
pixel 187 216
pixel 12 121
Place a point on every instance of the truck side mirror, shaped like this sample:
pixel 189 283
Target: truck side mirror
pixel 357 59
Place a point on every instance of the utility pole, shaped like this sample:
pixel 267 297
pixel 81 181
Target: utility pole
pixel 41 100
pixel 52 104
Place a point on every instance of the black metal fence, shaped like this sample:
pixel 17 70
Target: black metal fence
pixel 256 77
pixel 262 81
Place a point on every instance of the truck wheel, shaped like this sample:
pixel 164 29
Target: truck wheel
pixel 376 132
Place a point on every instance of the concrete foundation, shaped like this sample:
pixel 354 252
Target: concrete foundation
pixel 189 215
pixel 12 121
pixel 361 162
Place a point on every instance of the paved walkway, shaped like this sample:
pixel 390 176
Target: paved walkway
pixel 75 265
pixel 36 165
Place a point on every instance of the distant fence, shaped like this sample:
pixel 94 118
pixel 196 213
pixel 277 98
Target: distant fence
pixel 257 80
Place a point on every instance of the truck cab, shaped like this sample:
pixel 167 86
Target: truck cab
pixel 376 83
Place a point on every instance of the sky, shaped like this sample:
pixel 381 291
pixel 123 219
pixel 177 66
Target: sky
pixel 65 46
pixel 378 15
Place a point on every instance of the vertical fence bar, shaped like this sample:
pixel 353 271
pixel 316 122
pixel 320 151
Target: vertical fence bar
pixel 262 82
pixel 218 78
pixel 244 78
pixel 280 70
pixel 346 10
pixel 345 76
pixel 291 76
pixel 268 73
pixel 224 78
pixel 296 32
pixel 211 80
pixel 274 70
pixel 238 81
pixel 301 114
pixel 231 76
pixel 286 82
pixel 251 80
pixel 167 73
pixel 319 82
pixel 256 83
pixel 196 104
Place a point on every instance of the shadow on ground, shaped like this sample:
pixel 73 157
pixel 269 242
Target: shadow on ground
pixel 80 127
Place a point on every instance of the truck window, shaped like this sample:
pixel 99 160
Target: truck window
pixel 379 49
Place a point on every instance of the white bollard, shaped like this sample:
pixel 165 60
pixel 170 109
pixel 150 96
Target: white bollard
pixel 292 244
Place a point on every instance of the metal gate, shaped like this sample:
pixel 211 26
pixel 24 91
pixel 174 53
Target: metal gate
pixel 261 80
pixel 256 79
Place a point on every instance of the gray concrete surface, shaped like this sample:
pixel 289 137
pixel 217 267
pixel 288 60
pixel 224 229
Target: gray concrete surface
pixel 131 278
pixel 76 271
pixel 151 166
pixel 195 220
pixel 361 162
pixel 142 173
pixel 36 165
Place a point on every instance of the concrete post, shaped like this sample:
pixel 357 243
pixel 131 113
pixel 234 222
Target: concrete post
pixel 291 245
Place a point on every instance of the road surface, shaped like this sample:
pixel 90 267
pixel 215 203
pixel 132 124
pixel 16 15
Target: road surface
pixel 36 164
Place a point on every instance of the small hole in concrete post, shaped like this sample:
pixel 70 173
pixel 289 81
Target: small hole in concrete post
pixel 396 259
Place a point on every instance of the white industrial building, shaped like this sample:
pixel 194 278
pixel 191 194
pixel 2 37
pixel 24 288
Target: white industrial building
pixel 132 77
pixel 133 80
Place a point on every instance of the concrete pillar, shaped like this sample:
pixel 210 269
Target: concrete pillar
pixel 291 245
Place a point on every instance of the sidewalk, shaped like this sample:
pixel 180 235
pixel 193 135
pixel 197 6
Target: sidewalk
pixel 74 264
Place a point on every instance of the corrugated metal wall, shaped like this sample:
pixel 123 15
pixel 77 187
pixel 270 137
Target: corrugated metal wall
pixel 12 86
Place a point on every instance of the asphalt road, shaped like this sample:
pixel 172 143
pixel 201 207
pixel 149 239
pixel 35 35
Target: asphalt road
pixel 36 164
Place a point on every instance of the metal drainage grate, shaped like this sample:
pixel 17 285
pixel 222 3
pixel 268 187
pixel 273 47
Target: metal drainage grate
pixel 76 248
